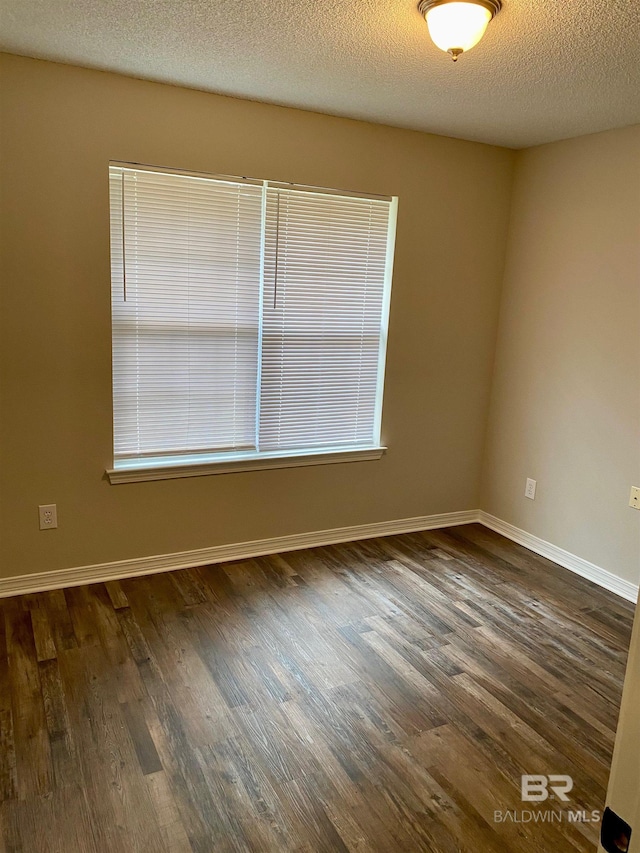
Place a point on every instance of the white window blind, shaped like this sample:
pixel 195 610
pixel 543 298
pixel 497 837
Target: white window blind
pixel 325 266
pixel 249 319
pixel 186 283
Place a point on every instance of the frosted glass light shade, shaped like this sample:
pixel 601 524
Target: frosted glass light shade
pixel 457 27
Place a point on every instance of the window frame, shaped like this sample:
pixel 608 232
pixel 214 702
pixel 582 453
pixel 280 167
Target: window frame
pixel 194 464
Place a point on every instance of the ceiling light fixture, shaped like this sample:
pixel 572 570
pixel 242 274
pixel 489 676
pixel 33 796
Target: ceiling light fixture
pixel 457 25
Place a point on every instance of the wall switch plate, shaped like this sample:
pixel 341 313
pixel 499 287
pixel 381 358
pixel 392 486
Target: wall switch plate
pixel 530 489
pixel 634 500
pixel 48 515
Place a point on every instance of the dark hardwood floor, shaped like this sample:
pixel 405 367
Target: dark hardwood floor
pixel 384 695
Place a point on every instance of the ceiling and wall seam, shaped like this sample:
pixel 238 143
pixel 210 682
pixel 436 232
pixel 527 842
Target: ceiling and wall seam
pixel 544 70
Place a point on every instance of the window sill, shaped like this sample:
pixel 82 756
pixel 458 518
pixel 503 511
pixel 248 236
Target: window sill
pixel 137 471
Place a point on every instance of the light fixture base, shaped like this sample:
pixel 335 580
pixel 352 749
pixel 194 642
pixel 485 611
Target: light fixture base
pixel 493 6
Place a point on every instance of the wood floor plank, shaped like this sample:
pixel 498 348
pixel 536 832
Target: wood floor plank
pixel 382 696
pixel 117 595
pixel 55 604
pixel 8 777
pixel 61 739
pixel 107 765
pixel 34 771
pixel 45 645
pixel 167 816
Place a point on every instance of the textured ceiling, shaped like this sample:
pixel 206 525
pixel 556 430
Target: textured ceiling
pixel 546 69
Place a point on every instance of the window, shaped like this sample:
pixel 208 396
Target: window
pixel 249 322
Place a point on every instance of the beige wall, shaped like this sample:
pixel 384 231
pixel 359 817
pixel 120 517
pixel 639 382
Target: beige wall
pixel 566 391
pixel 60 126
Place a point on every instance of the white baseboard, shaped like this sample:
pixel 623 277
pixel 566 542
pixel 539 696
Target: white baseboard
pixel 56 579
pixel 563 558
pixel 100 572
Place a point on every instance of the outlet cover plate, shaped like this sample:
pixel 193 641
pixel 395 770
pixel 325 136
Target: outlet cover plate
pixel 48 515
pixel 634 500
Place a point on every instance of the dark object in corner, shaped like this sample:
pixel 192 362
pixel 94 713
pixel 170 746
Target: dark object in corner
pixel 615 834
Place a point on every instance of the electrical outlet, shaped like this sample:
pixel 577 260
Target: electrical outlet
pixel 48 516
pixel 634 500
pixel 615 833
pixel 530 489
